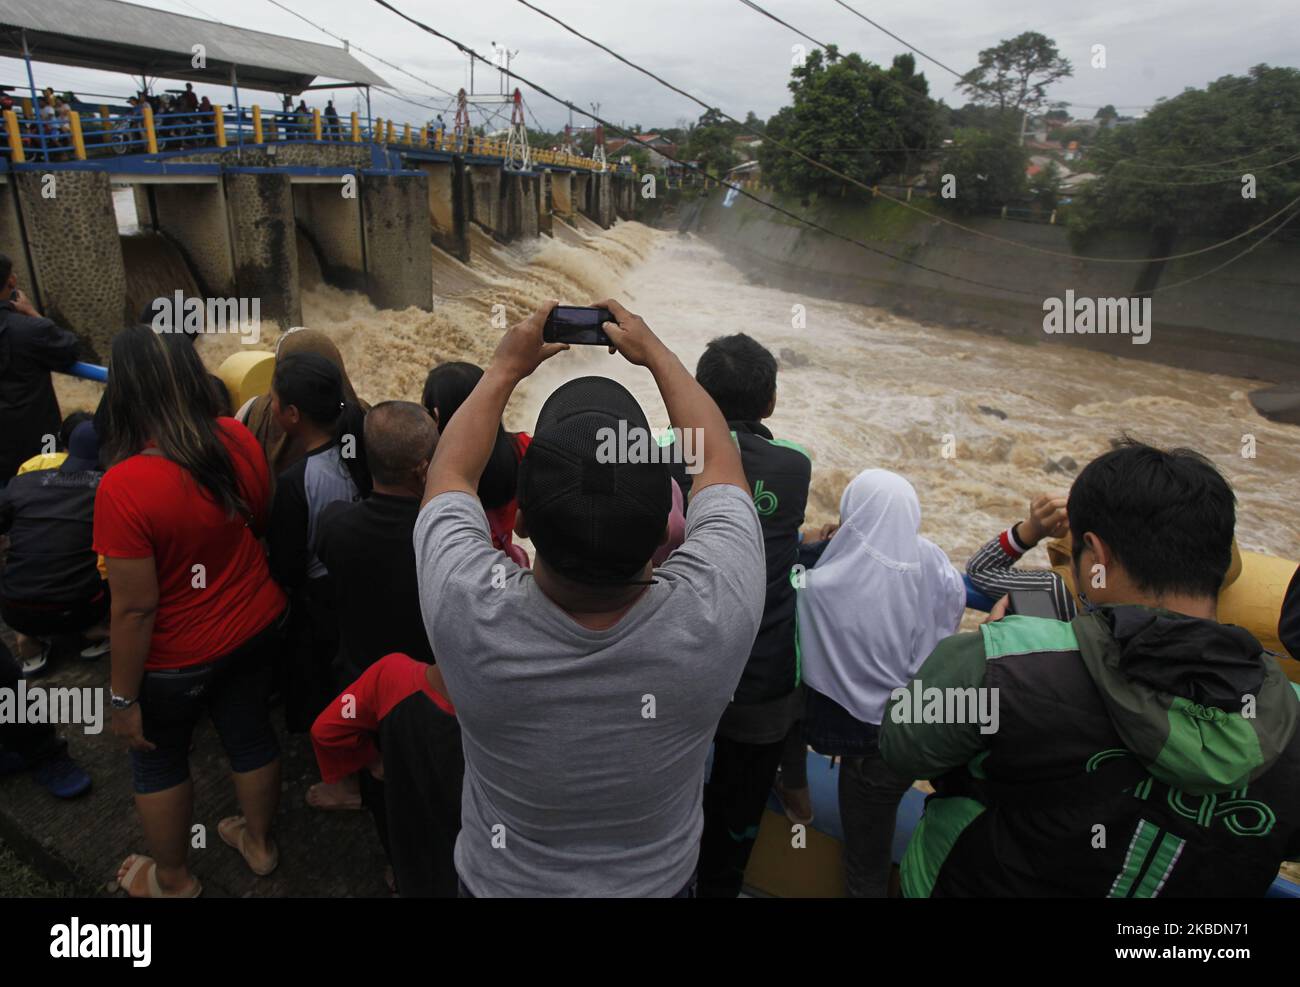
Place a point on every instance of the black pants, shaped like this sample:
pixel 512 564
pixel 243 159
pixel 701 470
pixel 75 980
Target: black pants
pixel 308 684
pixel 734 798
pixel 870 792
pixel 35 742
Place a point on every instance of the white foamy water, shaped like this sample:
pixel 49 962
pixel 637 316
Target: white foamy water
pixel 876 390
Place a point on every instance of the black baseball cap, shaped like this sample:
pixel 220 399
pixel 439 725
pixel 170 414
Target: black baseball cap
pixel 594 522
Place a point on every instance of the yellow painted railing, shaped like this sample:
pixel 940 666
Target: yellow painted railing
pixel 16 152
pixel 150 138
pixel 78 142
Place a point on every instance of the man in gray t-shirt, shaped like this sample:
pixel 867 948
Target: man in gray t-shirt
pixel 588 688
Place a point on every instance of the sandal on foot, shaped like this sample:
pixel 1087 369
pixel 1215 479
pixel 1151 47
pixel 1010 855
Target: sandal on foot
pixel 138 861
pixel 233 829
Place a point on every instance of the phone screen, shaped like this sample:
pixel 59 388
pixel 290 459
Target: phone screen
pixel 577 324
pixel 1032 603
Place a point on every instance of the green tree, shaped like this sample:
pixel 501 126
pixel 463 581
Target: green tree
pixel 853 116
pixel 1180 169
pixel 710 143
pixel 1107 115
pixel 1045 187
pixel 988 169
pixel 1015 74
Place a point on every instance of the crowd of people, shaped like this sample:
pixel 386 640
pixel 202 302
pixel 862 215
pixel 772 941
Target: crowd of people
pixel 611 715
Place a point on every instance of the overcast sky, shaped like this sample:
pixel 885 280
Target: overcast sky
pixel 733 58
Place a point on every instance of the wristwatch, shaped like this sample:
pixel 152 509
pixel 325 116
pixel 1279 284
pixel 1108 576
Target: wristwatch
pixel 119 702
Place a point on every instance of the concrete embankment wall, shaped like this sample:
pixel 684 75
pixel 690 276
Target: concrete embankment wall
pixel 1243 319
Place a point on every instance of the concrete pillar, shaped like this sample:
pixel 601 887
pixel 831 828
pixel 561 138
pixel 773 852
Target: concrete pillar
pixel 399 254
pixel 196 220
pixel 542 185
pixel 75 255
pixel 581 183
pixel 262 230
pixel 447 194
pixel 143 207
pixel 512 218
pixel 485 197
pixel 528 205
pixel 599 206
pixel 603 204
pixel 332 222
pixel 12 242
pixel 562 194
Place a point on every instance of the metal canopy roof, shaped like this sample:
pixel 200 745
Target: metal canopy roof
pixel 125 37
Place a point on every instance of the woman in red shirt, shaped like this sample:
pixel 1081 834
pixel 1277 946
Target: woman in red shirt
pixel 195 614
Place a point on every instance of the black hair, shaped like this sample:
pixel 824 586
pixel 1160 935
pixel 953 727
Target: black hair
pixel 159 390
pixel 1167 516
pixel 6 268
pixel 739 373
pixel 314 385
pixel 71 422
pixel 399 436
pixel 445 389
pixel 221 397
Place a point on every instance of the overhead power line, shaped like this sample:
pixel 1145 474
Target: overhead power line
pixel 875 189
pixel 381 61
pixel 749 195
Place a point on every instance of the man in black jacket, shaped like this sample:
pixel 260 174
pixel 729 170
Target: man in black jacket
pixel 30 347
pixel 1142 749
pixel 740 375
pixel 368 548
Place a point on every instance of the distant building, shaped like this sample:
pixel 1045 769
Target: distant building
pixel 659 151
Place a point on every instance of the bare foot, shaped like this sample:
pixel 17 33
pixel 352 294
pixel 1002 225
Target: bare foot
pixel 262 858
pixel 341 796
pixel 797 802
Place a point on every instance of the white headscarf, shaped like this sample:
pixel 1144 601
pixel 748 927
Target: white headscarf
pixel 879 599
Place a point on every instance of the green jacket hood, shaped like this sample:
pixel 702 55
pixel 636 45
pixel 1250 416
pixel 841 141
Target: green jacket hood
pixel 1203 706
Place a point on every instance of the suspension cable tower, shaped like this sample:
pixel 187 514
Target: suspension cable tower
pixel 462 120
pixel 518 153
pixel 598 149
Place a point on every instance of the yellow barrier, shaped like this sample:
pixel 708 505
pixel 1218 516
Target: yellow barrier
pixel 257 124
pixel 151 138
pixel 78 142
pixel 315 123
pixel 424 136
pixel 406 134
pixel 15 137
pixel 247 374
pixel 390 133
pixel 356 128
pixel 218 126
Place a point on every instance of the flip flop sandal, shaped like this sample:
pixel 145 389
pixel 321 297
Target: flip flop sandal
pixel 238 824
pixel 139 860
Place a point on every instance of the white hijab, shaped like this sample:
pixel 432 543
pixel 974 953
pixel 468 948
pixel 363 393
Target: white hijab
pixel 879 599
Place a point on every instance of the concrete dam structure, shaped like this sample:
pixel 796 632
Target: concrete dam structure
pixel 373 213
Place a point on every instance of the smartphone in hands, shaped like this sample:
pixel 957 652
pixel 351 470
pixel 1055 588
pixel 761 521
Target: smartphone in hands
pixel 1032 603
pixel 577 324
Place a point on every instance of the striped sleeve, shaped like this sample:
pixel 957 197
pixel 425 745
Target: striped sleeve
pixel 992 571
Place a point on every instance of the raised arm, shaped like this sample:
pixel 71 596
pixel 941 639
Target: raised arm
pixel 688 404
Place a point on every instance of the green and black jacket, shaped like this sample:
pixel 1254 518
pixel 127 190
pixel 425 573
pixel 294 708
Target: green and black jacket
pixel 1138 753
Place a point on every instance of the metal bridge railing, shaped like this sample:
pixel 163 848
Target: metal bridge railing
pixel 81 136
